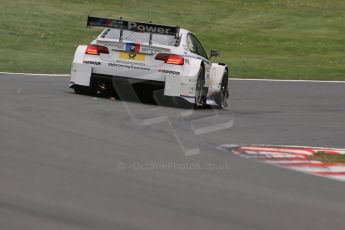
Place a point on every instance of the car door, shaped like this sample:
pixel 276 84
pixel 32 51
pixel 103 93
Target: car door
pixel 196 48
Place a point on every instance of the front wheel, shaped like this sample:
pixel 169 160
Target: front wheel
pixel 224 92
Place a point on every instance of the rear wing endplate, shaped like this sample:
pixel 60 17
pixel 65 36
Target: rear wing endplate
pixel 133 26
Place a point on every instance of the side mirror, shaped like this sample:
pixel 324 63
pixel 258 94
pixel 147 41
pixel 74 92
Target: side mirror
pixel 214 53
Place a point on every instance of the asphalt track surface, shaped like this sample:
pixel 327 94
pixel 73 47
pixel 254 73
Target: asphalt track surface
pixel 75 162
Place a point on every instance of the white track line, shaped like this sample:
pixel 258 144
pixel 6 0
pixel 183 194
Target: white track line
pixel 317 169
pixel 36 74
pixel 281 80
pixel 342 178
pixel 235 79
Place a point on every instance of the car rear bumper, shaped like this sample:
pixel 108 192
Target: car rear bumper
pixel 125 83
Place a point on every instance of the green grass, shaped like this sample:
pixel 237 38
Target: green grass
pixel 285 39
pixel 328 158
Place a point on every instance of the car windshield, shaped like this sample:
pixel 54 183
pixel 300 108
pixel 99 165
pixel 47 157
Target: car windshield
pixel 138 37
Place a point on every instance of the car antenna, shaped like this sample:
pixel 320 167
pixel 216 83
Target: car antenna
pixel 121 32
pixel 150 41
pixel 149 21
pixel 148 10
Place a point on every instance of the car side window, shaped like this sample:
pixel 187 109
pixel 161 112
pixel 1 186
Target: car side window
pixel 190 44
pixel 195 46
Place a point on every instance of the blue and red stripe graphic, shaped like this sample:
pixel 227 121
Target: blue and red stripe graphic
pixel 133 47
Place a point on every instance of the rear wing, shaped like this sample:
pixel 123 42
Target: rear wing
pixel 133 26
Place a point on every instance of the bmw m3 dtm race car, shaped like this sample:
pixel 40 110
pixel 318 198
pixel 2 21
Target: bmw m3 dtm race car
pixel 156 54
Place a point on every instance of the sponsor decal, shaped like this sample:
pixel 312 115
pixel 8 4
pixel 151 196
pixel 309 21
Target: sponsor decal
pixel 133 47
pixel 143 27
pixel 130 63
pixel 132 53
pixel 92 62
pixel 95 21
pixel 169 72
pixel 118 65
pixel 116 45
pixel 132 56
pixel 140 68
pixel 150 49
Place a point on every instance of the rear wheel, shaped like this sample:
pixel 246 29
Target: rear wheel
pixel 79 89
pixel 98 86
pixel 200 97
pixel 224 93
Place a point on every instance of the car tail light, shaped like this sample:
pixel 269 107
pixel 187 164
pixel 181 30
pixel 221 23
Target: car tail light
pixel 170 58
pixel 96 50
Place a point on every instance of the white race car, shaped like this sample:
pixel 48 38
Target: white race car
pixel 160 55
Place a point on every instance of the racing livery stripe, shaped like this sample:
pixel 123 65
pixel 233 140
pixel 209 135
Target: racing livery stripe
pixel 293 157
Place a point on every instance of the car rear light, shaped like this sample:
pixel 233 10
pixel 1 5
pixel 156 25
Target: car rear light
pixel 170 58
pixel 96 49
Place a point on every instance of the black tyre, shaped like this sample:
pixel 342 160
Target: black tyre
pixel 200 97
pixel 224 93
pixel 79 89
